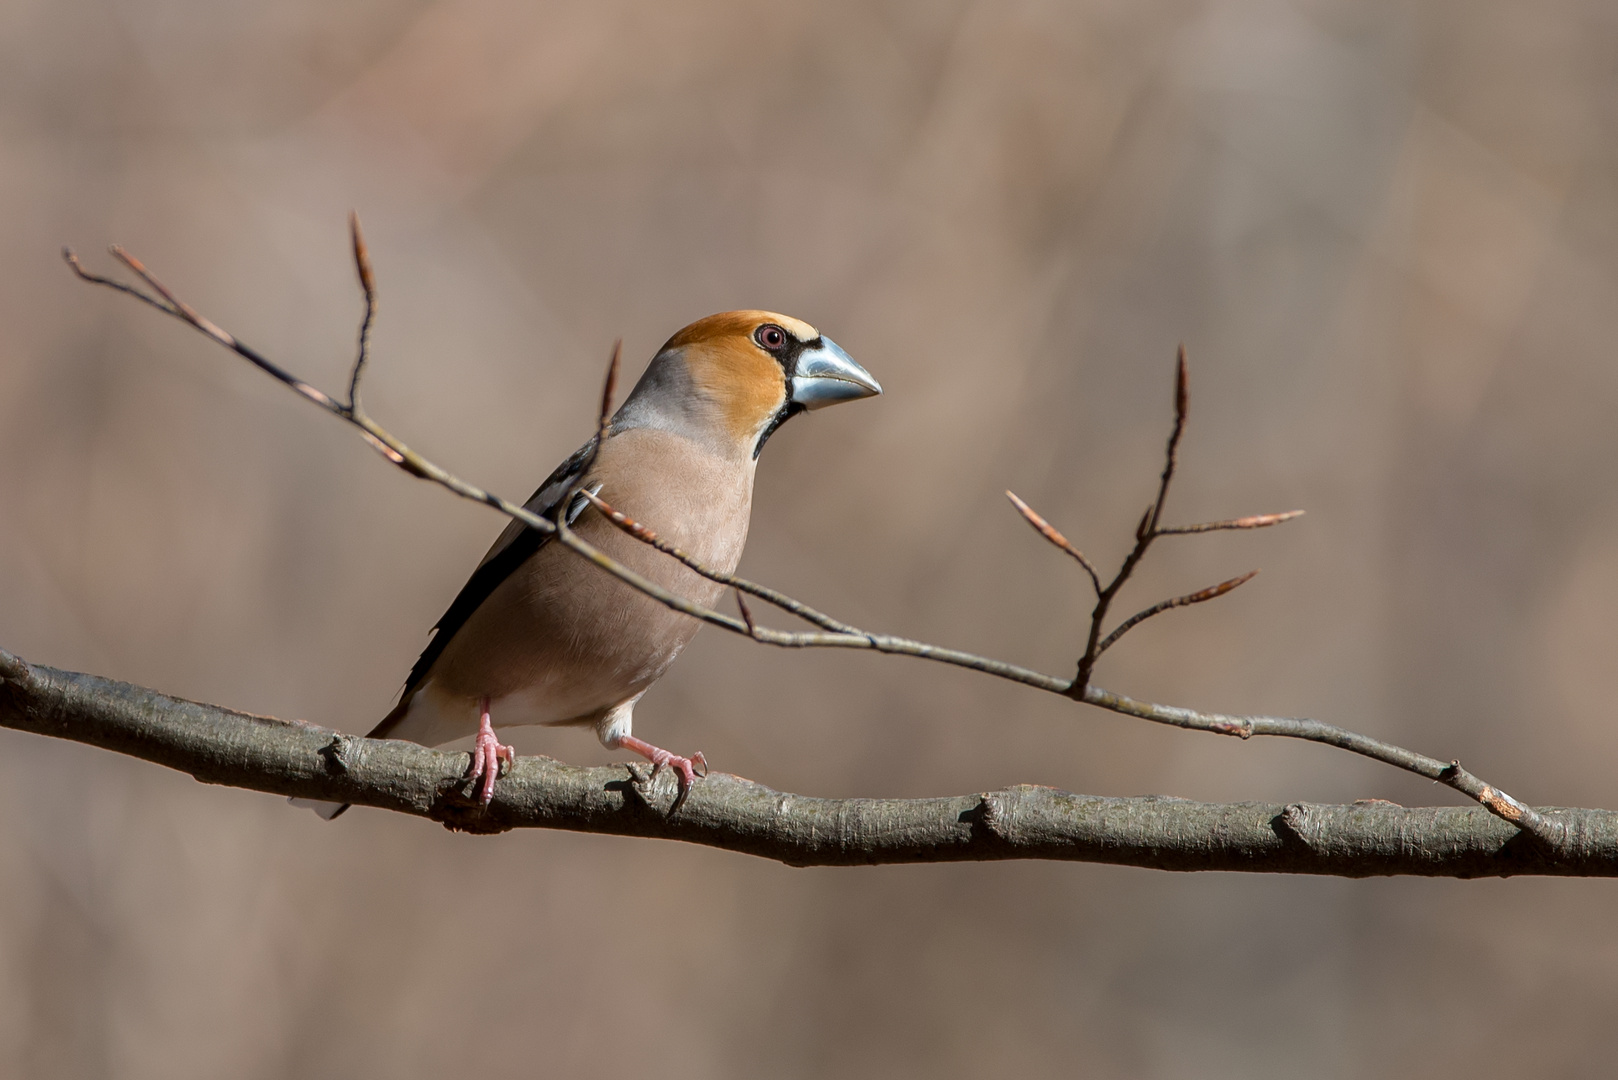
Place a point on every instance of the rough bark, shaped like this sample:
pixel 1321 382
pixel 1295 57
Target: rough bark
pixel 220 746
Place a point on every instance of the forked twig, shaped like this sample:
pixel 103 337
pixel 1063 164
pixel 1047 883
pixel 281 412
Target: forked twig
pixel 1149 529
pixel 1145 532
pixel 833 633
pixel 1210 593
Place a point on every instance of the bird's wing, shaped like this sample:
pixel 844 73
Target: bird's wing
pixel 515 546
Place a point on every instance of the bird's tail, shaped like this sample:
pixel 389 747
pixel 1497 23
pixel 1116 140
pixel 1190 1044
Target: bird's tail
pixel 327 810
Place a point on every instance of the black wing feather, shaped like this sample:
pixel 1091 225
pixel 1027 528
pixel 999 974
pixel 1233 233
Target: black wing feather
pixel 500 566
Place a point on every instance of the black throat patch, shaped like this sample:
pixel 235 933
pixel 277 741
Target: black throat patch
pixel 787 357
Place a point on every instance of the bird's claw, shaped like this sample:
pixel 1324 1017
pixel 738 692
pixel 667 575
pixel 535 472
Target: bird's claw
pixel 686 768
pixel 689 768
pixel 488 755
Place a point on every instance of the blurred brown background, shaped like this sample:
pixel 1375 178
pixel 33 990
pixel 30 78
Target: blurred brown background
pixel 1387 233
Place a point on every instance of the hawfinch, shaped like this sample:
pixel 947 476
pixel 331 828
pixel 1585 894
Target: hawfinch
pixel 538 635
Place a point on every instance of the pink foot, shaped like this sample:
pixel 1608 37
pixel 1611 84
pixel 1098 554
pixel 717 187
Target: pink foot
pixel 488 754
pixel 687 767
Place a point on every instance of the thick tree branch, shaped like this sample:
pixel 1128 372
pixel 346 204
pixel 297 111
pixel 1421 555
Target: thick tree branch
pixel 218 746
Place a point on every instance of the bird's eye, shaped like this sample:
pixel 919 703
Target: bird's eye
pixel 770 336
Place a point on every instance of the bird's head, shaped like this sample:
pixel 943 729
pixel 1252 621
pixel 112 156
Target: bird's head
pixel 733 378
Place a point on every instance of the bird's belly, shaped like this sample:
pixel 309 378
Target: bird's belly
pixel 538 673
pixel 561 641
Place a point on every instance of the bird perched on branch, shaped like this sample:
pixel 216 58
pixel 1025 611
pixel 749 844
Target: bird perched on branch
pixel 540 636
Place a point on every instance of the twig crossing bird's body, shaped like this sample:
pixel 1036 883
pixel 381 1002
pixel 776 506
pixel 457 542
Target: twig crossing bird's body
pixel 538 635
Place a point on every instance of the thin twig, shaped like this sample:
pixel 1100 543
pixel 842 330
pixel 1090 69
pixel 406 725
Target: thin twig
pixel 741 585
pixel 609 388
pixel 362 266
pixel 1210 593
pixel 747 616
pixel 1497 802
pixel 1182 407
pixel 1045 529
pixel 169 306
pixel 384 443
pixel 1256 521
pixel 1551 834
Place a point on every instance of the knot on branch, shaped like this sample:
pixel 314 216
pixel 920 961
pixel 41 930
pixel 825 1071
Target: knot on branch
pixel 13 668
pixel 990 818
pixel 991 815
pixel 343 754
pixel 659 790
pixel 1297 824
pixel 1295 818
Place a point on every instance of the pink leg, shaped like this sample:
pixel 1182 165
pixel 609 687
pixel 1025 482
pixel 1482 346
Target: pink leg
pixel 685 766
pixel 487 756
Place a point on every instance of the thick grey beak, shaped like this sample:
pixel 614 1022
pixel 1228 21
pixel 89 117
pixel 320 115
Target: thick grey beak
pixel 826 375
